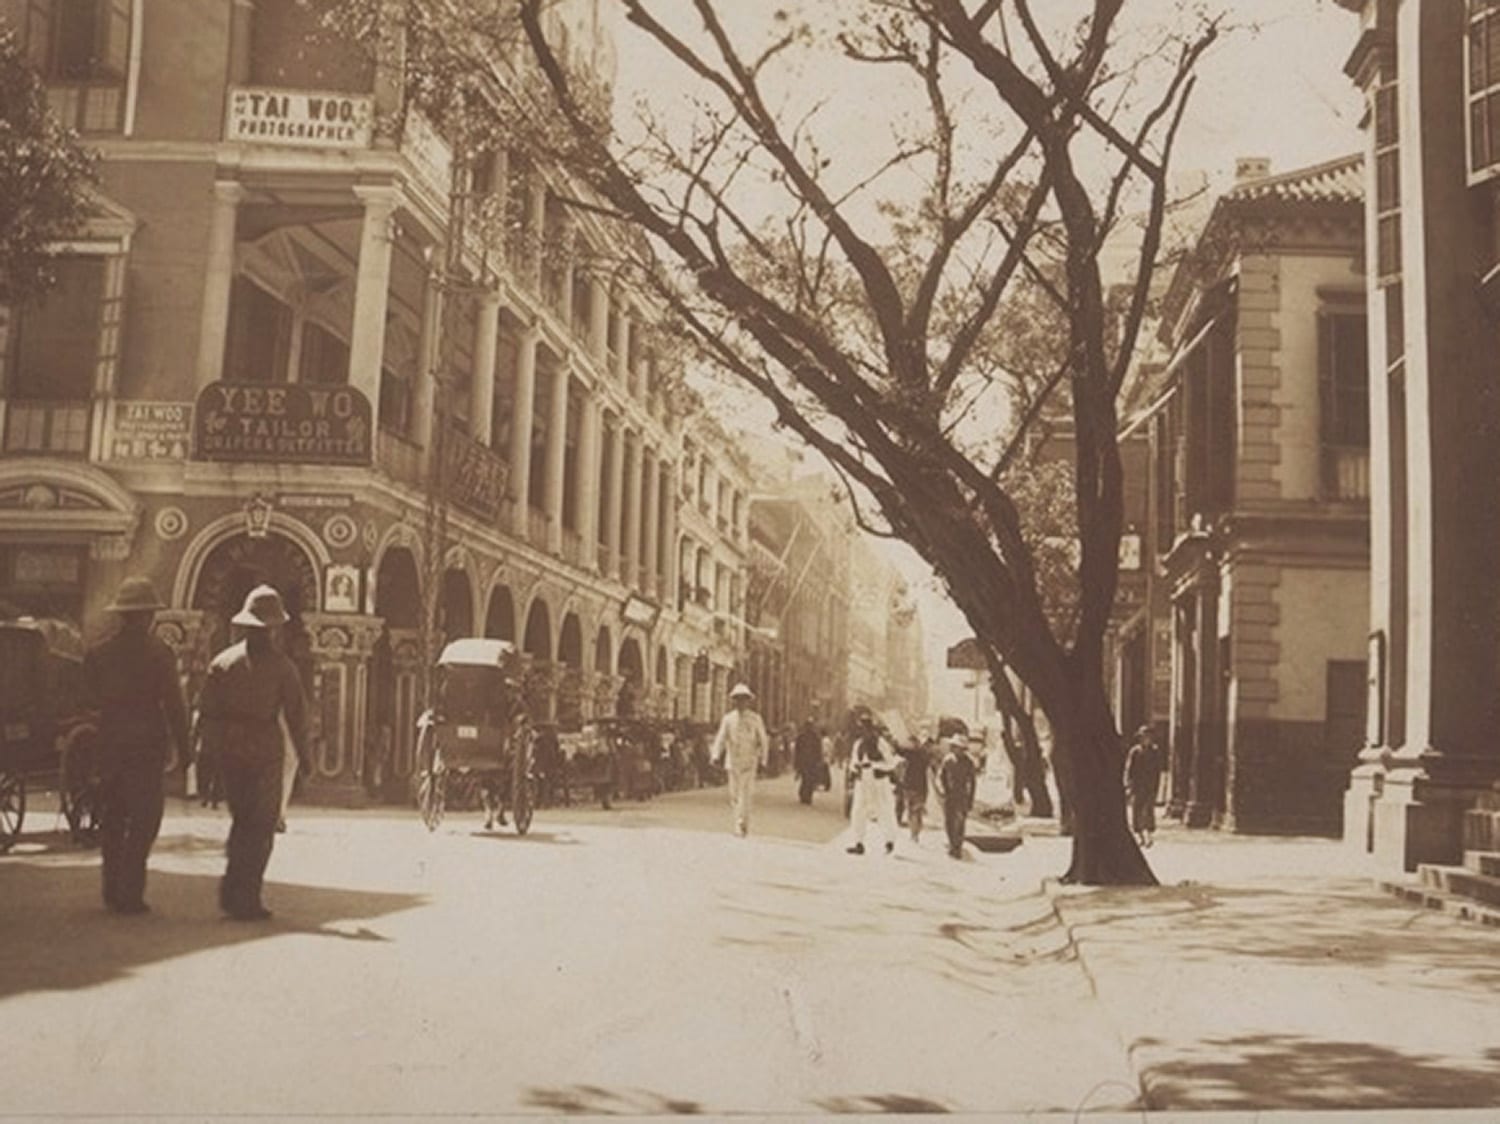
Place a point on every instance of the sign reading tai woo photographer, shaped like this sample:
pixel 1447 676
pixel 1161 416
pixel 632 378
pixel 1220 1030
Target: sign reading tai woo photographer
pixel 290 423
pixel 298 118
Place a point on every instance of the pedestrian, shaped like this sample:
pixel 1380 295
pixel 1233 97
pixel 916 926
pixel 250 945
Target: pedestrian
pixel 916 765
pixel 743 743
pixel 874 767
pixel 131 679
pixel 250 687
pixel 1142 776
pixel 956 783
pixel 807 759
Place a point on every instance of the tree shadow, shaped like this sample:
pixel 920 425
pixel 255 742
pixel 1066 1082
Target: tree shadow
pixel 58 937
pixel 594 1100
pixel 1279 1071
pixel 882 1103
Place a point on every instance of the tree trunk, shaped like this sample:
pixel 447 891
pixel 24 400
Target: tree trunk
pixel 1025 751
pixel 1104 850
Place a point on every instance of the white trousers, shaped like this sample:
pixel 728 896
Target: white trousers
pixel 873 794
pixel 741 796
pixel 288 769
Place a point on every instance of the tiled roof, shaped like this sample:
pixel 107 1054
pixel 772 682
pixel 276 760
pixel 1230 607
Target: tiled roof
pixel 1336 181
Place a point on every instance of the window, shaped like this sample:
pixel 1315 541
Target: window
pixel 54 352
pixel 82 50
pixel 397 399
pixel 1482 83
pixel 260 335
pixel 1344 405
pixel 325 357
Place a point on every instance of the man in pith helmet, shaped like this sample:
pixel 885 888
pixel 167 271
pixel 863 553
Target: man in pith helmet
pixel 741 743
pixel 250 687
pixel 131 679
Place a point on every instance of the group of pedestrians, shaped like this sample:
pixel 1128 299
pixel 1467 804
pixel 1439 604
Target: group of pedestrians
pixel 251 694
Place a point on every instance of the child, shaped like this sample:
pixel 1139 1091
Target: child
pixel 955 781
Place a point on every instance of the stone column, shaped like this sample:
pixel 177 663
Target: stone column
pixel 651 533
pixel 588 483
pixel 536 209
pixel 599 320
pixel 428 350
pixel 672 558
pixel 341 645
pixel 615 500
pixel 557 444
pixel 520 430
pixel 218 280
pixel 632 567
pixel 621 345
pixel 372 294
pixel 482 385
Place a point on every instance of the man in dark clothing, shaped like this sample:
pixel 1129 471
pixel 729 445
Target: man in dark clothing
pixel 132 680
pixel 1142 777
pixel 249 687
pixel 807 759
pixel 956 783
pixel 917 763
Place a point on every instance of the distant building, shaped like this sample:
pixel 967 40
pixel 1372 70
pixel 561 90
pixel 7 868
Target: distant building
pixel 1256 545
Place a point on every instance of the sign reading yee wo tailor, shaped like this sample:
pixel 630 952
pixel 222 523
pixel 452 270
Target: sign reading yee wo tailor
pixel 290 423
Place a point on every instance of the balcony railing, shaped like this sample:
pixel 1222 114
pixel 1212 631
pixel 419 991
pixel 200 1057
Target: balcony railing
pixel 1346 473
pixel 400 458
pixel 60 429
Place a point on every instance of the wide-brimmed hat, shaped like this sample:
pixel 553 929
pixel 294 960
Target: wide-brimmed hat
pixel 263 608
pixel 136 595
pixel 741 691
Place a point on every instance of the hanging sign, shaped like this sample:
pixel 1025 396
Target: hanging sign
pixel 283 423
pixel 148 431
pixel 299 118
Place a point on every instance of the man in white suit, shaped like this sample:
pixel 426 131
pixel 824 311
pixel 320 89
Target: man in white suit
pixel 874 766
pixel 743 742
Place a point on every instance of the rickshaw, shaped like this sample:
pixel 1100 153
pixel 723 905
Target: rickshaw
pixel 478 731
pixel 47 737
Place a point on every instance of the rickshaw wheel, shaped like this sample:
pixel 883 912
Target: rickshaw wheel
pixel 12 808
pixel 80 787
pixel 522 794
pixel 430 792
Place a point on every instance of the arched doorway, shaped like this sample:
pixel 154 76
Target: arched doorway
pixel 240 563
pixel 570 684
pixel 537 643
pixel 603 651
pixel 500 616
pixel 458 605
pixel 391 711
pixel 633 670
pixel 661 702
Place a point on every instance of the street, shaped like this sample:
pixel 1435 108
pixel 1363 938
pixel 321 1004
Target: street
pixel 645 961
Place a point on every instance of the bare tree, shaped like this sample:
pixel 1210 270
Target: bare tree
pixel 873 301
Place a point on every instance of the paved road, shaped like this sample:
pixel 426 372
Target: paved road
pixel 608 962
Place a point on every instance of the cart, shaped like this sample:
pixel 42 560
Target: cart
pixel 477 734
pixel 47 737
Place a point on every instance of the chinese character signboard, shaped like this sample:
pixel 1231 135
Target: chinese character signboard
pixel 299 118
pixel 148 431
pixel 476 476
pixel 285 423
pixel 967 655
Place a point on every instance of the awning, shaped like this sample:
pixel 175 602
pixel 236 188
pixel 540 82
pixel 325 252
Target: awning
pixel 1168 376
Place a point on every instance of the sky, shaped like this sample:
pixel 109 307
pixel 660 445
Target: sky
pixel 1273 86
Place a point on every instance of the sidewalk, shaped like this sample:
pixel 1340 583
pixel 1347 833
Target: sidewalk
pixel 1272 974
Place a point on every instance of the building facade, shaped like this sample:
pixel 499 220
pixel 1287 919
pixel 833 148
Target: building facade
pixel 1431 76
pixel 261 365
pixel 1259 486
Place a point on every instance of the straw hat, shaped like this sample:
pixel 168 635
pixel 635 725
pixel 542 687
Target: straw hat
pixel 741 691
pixel 263 608
pixel 136 595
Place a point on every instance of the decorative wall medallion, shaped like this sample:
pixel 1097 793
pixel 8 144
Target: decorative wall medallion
pixel 340 531
pixel 171 523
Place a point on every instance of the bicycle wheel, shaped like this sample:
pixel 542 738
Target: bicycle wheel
pixel 12 808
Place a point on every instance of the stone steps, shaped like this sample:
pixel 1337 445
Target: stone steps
pixel 1429 898
pixel 1470 891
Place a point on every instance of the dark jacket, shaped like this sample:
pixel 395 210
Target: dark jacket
pixel 131 679
pixel 242 698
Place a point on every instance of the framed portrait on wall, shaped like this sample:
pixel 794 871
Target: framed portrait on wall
pixel 341 589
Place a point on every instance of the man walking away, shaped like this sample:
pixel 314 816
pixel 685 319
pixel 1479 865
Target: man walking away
pixel 1142 776
pixel 874 767
pixel 742 742
pixel 132 679
pixel 808 761
pixel 918 763
pixel 956 782
pixel 250 687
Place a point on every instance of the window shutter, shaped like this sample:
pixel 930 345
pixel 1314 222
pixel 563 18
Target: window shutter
pixel 1327 396
pixel 113 31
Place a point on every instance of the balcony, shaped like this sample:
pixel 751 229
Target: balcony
pixel 58 429
pixel 400 458
pixel 1346 473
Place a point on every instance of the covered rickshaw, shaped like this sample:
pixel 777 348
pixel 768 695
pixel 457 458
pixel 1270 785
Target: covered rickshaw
pixel 478 731
pixel 47 736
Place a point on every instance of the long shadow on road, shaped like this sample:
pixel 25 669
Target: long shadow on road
pixel 56 936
